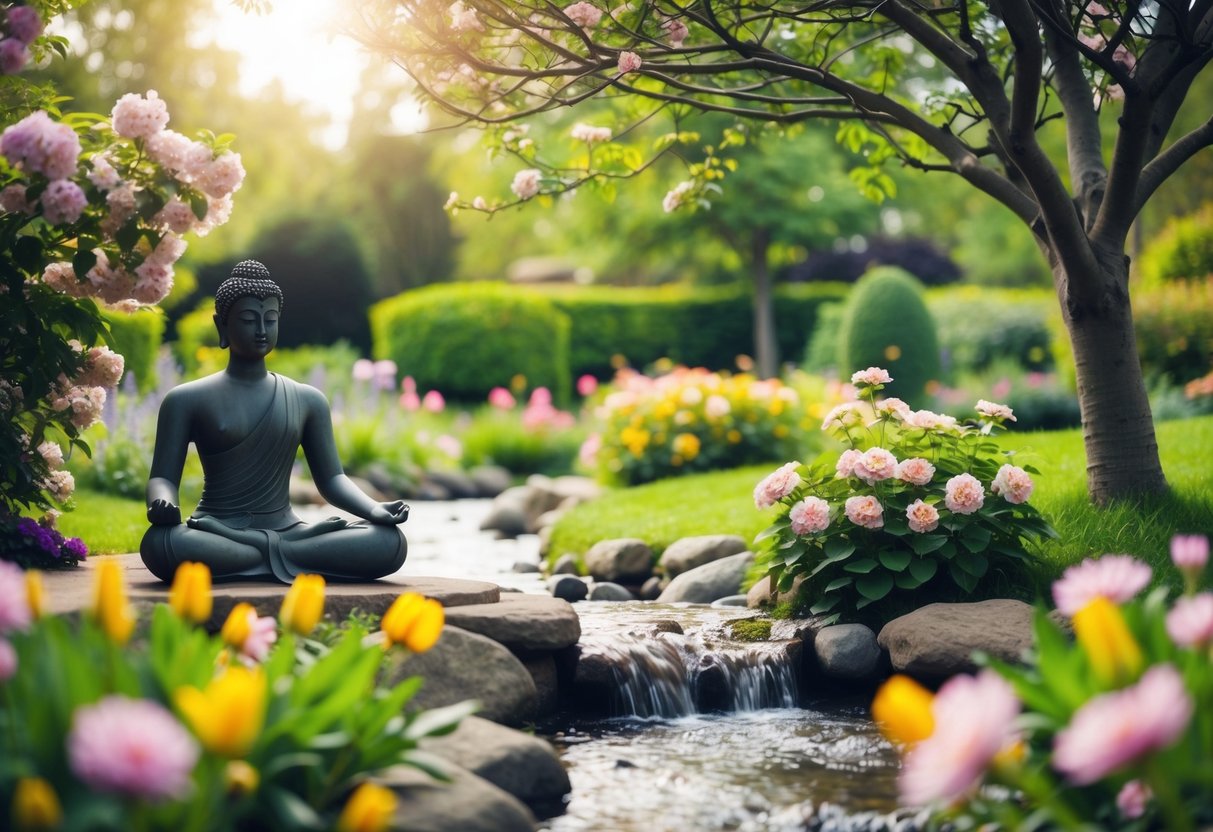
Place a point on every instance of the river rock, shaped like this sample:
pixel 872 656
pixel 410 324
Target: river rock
pixel 578 489
pixel 621 559
pixel 545 541
pixel 567 588
pixel 607 591
pixel 566 564
pixel 490 480
pixel 467 803
pixel 465 665
pixel 759 594
pixel 938 640
pixel 707 583
pixel 525 566
pixel 687 553
pixel 548 519
pixel 650 590
pixel 521 621
pixel 521 764
pixel 507 514
pixel 459 485
pixel 730 601
pixel 542 667
pixel 847 651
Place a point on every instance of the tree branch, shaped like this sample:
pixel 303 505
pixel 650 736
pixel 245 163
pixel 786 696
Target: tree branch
pixel 1169 161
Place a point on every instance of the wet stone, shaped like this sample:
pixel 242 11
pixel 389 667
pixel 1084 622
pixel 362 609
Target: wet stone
pixel 567 588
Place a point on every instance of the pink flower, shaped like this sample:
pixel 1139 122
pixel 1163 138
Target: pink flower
pixel 845 466
pixel 103 175
pixel 776 485
pixel 871 376
pixel 995 412
pixel 1115 577
pixel 13 201
pixel 8 661
pixel 408 385
pixel 843 416
pixel 585 15
pixel 364 370
pixel 674 198
pixel 14 55
pixel 14 603
pixel 590 134
pixel 24 23
pixel 62 202
pixel 176 216
pixel 923 517
pixel 587 385
pixel 1190 621
pixel 263 632
pixel 385 374
pixel 929 420
pixel 62 278
pixel 587 454
pixel 40 145
pixel 541 397
pixel 133 747
pixel 526 183
pixel 1132 799
pixel 221 177
pixel 875 465
pixel 409 400
pixel 51 454
pixel 675 31
pixel 449 445
pixel 812 514
pixel 716 407
pixel 60 484
pixel 865 511
pixel 1190 551
pixel 1113 730
pixel 963 494
pixel 464 19
pixel 136 117
pixel 501 398
pixel 153 282
pixel 629 62
pixel 433 401
pixel 974 722
pixel 1013 484
pixel 892 406
pixel 915 471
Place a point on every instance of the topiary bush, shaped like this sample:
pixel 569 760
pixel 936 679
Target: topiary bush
pixel 887 324
pixel 136 337
pixel 1183 249
pixel 465 339
pixel 821 350
pixel 978 326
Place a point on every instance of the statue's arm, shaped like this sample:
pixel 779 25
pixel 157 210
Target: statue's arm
pixel 320 449
pixel 168 460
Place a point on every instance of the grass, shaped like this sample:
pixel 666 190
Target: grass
pixel 108 525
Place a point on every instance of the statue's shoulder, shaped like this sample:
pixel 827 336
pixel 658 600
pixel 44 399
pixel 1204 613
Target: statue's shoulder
pixel 190 394
pixel 306 392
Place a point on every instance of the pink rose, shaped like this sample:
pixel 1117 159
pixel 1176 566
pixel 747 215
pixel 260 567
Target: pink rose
pixel 812 514
pixel 865 511
pixel 629 62
pixel 176 216
pixel 1013 484
pixel 776 485
pixel 1115 577
pixel 1190 622
pixel 923 517
pixel 843 416
pixel 1132 799
pixel 915 471
pixel 875 465
pixel 845 466
pixel 994 411
pixel 963 494
pixel 892 406
pixel 871 376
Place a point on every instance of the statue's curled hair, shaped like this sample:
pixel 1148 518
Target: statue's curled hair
pixel 249 279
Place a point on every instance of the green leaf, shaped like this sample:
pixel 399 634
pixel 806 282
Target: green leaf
pixel 27 253
pixel 975 564
pixel 924 544
pixel 895 560
pixel 83 262
pixel 837 548
pixel 839 583
pixel 962 578
pixel 198 205
pixel 292 812
pixel 924 570
pixel 975 537
pixel 906 580
pixel 825 604
pixel 438 721
pixel 861 566
pixel 875 586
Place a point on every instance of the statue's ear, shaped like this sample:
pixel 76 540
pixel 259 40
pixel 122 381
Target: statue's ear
pixel 223 342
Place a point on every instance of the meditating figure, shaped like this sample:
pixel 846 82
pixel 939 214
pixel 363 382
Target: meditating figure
pixel 247 425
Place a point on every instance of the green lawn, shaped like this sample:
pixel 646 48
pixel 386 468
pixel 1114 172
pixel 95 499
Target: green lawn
pixel 108 525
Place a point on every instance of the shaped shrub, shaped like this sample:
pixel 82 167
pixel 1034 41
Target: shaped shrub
pixel 977 326
pixel 887 324
pixel 1183 249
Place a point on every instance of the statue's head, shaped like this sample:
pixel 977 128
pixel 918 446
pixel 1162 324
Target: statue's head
pixel 247 306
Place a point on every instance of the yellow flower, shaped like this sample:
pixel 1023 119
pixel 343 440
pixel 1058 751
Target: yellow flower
pixel 190 594
pixel 635 440
pixel 238 625
pixel 414 621
pixel 734 436
pixel 902 709
pixel 780 431
pixel 241 778
pixel 228 715
pixel 303 604
pixel 664 409
pixel 686 445
pixel 110 609
pixel 776 407
pixel 369 809
pixel 35 805
pixel 1101 630
pixel 35 593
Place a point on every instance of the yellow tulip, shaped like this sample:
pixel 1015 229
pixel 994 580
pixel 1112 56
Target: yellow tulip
pixel 369 809
pixel 36 806
pixel 110 609
pixel 902 709
pixel 303 604
pixel 35 592
pixel 227 716
pixel 190 594
pixel 1101 630
pixel 238 625
pixel 414 621
pixel 241 778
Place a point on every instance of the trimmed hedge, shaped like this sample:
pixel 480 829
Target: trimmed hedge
pixel 465 339
pixel 1183 249
pixel 137 338
pixel 979 325
pixel 195 331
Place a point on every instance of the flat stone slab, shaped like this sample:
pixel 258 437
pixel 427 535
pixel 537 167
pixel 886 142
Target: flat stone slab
pixel 466 804
pixel 938 640
pixel 521 622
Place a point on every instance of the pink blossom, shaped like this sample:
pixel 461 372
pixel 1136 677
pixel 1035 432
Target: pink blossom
pixel 103 174
pixel 776 485
pixel 51 454
pixel 40 145
pixel 133 747
pixel 875 465
pixel 449 445
pixel 865 511
pixel 929 420
pixel 1115 729
pixel 62 278
pixel 526 183
pixel 410 401
pixel 1115 577
pixel 176 216
pixel 1013 484
pixel 845 466
pixel 464 18
pixel 14 55
pixel 676 197
pixel 385 374
pixel 974 722
pixel 675 31
pixel 263 632
pixel 812 514
pixel 153 282
pixel 716 407
pixel 136 117
pixel 111 284
pixel 963 494
pixel 915 471
pixel 590 134
pixel 1190 621
pixel 843 416
pixel 501 398
pixel 871 376
pixel 587 385
pixel 1190 551
pixel 480 204
pixel 585 15
pixel 433 401
pixel 364 369
pixel 408 385
pixel 1132 799
pixel 13 201
pixel 923 517
pixel 8 661
pixel 14 604
pixel 221 177
pixel 629 62
pixel 587 454
pixel 60 484
pixel 892 406
pixel 121 203
pixel 24 23
pixel 541 397
pixel 994 411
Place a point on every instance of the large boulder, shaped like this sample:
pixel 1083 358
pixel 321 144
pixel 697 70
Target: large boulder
pixel 490 480
pixel 687 553
pixel 467 803
pixel 622 560
pixel 705 584
pixel 938 640
pixel 465 665
pixel 507 514
pixel 847 651
pixel 759 595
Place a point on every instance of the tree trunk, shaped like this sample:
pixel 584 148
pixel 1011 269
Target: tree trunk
pixel 766 348
pixel 1118 429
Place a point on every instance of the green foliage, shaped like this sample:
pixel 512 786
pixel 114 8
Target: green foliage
pixel 978 326
pixel 196 332
pixel 1041 401
pixel 887 324
pixel 496 437
pixel 1174 325
pixel 1182 250
pixel 108 524
pixel 466 339
pixel 136 337
pixel 821 349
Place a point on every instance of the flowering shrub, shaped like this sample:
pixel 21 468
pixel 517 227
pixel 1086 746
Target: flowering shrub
pixel 916 500
pixel 260 727
pixel 1112 731
pixel 691 420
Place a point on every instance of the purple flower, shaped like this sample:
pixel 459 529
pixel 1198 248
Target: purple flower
pixel 76 548
pixel 28 526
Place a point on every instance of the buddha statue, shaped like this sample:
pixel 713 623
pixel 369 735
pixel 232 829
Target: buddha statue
pixel 247 425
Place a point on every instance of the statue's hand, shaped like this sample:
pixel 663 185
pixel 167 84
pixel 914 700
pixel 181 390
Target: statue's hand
pixel 163 513
pixel 389 514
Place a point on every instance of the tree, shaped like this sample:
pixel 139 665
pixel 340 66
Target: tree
pixel 1010 68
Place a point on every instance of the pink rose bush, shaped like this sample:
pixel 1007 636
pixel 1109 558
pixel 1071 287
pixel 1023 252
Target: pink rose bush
pixel 914 498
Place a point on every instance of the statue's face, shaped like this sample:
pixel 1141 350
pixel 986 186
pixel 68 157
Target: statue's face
pixel 252 327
